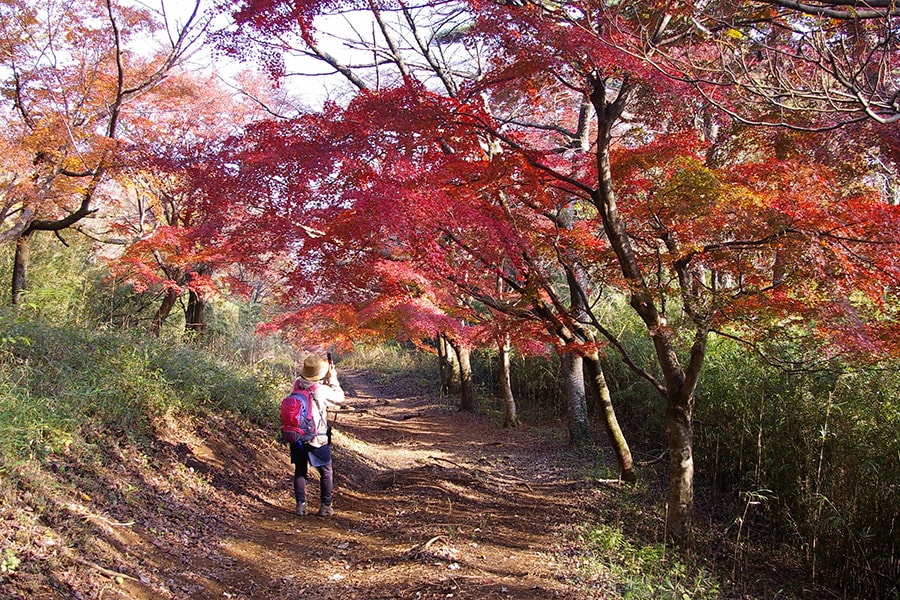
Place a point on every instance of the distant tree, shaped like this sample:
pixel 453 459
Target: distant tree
pixel 177 231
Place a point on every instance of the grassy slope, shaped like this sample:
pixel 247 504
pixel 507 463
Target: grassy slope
pixel 94 419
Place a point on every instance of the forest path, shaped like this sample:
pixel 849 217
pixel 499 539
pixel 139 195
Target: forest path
pixel 429 503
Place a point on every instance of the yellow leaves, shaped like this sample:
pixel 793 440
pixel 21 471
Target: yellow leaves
pixel 734 34
pixel 744 198
pixel 689 188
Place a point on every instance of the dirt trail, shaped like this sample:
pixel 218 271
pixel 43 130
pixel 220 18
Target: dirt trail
pixel 429 503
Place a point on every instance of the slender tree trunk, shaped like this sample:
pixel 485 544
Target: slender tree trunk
pixel 467 400
pixel 195 314
pixel 467 387
pixel 511 418
pixel 448 366
pixel 162 313
pixel 20 267
pixel 680 383
pixel 443 365
pixel 571 365
pixel 580 311
pixel 596 379
pixel 610 422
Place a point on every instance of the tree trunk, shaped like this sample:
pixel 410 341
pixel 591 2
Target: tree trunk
pixel 576 399
pixel 195 314
pixel 580 311
pixel 510 418
pixel 467 387
pixel 680 383
pixel 679 439
pixel 610 422
pixel 20 267
pixel 443 365
pixel 162 313
pixel 448 366
pixel 467 400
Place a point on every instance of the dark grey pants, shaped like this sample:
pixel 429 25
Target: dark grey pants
pixel 300 458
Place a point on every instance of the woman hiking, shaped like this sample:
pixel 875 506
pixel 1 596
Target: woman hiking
pixel 304 425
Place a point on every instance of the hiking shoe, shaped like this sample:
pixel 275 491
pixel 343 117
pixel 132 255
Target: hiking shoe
pixel 301 509
pixel 325 510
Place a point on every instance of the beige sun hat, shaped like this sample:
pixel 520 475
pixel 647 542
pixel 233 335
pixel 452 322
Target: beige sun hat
pixel 314 368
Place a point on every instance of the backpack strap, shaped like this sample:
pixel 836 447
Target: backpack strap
pixel 319 411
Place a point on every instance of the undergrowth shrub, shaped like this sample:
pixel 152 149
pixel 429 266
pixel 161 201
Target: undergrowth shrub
pixel 640 409
pixel 537 387
pixel 630 570
pixel 535 381
pixel 389 358
pixel 70 285
pixel 805 459
pixel 812 458
pixel 56 383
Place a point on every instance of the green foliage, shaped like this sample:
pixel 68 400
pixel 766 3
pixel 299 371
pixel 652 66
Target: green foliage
pixel 401 364
pixel 207 384
pixel 537 387
pixel 62 384
pixel 535 382
pixel 825 445
pixel 110 303
pixel 10 562
pixel 634 571
pixel 806 459
pixel 390 358
pixel 69 284
pixel 639 406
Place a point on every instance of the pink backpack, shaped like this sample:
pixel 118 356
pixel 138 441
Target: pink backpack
pixel 298 416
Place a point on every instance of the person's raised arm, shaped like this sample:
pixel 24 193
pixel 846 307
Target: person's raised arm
pixel 334 393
